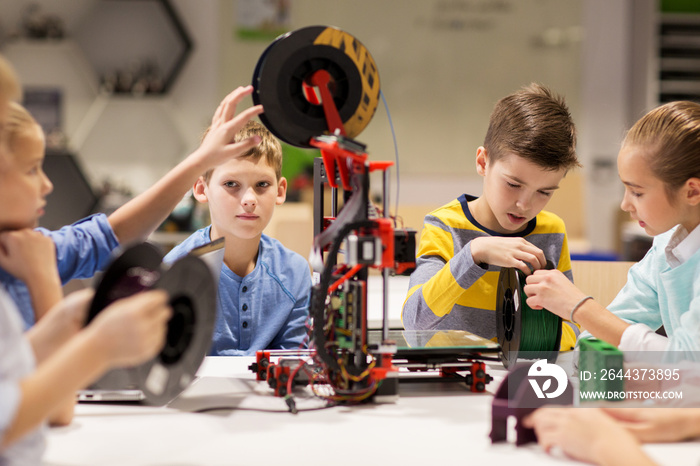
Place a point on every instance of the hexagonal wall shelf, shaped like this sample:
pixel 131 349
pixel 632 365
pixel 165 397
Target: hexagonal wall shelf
pixel 57 65
pixel 135 47
pixel 133 142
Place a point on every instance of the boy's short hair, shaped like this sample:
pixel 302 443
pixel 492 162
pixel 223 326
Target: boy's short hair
pixel 269 147
pixel 533 123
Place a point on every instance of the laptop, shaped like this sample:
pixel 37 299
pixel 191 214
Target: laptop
pixel 117 385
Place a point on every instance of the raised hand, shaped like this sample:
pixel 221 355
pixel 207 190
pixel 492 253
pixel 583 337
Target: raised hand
pixel 218 144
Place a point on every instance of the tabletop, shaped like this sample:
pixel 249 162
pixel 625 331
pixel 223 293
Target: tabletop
pixel 227 417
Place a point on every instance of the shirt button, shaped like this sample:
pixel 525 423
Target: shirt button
pixel 244 289
pixel 245 307
pixel 245 324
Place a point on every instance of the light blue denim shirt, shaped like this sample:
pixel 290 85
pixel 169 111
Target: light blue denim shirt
pixel 82 249
pixel 266 309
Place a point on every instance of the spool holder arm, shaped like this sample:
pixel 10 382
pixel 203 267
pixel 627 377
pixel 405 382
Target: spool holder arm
pixel 321 80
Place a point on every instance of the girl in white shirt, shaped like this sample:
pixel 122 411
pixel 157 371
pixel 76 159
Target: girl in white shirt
pixel 659 164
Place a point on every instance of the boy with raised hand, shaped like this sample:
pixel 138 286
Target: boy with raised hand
pixel 40 370
pixel 529 147
pixel 264 288
pixel 86 247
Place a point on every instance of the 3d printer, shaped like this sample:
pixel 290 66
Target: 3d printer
pixel 320 88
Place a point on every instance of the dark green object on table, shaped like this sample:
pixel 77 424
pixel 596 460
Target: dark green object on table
pixel 601 371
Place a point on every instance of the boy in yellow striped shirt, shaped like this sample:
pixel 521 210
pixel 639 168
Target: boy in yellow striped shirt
pixel 529 147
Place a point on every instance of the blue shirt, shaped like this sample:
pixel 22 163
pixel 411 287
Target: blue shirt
pixel 266 309
pixel 657 294
pixel 82 249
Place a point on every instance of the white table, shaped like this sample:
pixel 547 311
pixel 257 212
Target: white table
pixel 430 424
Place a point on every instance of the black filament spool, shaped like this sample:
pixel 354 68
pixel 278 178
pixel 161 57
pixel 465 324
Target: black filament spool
pixel 514 326
pixel 290 61
pixel 191 288
pixel 508 315
pixel 190 284
pixel 134 270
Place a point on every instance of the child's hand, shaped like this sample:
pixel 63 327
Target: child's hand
pixel 28 255
pixel 218 145
pixel 508 252
pixel 551 290
pixel 132 330
pixel 571 430
pixel 658 424
pixel 31 257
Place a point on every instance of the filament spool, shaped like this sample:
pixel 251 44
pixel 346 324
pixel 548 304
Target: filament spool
pixel 519 328
pixel 284 70
pixel 191 288
pixel 136 269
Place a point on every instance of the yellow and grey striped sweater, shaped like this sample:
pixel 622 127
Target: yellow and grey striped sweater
pixel 449 291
